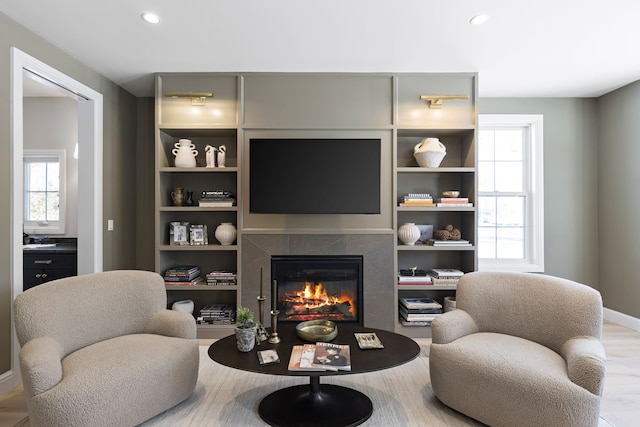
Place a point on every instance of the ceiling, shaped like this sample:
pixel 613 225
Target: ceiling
pixel 546 48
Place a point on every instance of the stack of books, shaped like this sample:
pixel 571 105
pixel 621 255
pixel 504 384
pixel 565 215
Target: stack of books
pixel 217 199
pixel 414 277
pixel 217 314
pixel 182 275
pixel 418 311
pixel 222 277
pixel 448 243
pixel 417 199
pixel 445 276
pixel 454 202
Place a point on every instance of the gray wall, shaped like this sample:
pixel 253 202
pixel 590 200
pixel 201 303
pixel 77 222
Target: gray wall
pixel 570 180
pixel 119 161
pixel 619 199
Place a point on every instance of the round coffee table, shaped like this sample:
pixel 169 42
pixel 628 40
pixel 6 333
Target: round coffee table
pixel 317 404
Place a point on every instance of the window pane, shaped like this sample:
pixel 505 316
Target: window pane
pixel 487 211
pixel 487 238
pixel 486 145
pixel 510 211
pixel 37 206
pixel 511 243
pixel 508 144
pixel 486 176
pixel 53 176
pixel 508 176
pixel 37 173
pixel 53 206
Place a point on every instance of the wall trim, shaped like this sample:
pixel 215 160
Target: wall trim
pixel 622 319
pixel 7 382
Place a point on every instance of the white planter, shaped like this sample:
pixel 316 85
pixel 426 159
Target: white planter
pixel 226 233
pixel 184 306
pixel 409 233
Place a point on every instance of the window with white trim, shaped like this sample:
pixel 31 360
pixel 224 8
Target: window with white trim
pixel 44 191
pixel 510 193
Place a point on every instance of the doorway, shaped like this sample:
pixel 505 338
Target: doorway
pixel 90 107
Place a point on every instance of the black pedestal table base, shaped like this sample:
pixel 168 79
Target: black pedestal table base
pixel 314 405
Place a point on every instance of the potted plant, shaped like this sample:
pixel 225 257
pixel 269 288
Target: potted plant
pixel 245 329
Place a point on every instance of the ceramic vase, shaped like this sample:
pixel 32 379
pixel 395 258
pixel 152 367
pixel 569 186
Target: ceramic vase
pixel 184 306
pixel 185 153
pixel 225 233
pixel 177 196
pixel 409 233
pixel 246 339
pixel 222 156
pixel 429 152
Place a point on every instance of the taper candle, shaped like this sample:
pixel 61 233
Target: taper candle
pixel 274 294
pixel 260 281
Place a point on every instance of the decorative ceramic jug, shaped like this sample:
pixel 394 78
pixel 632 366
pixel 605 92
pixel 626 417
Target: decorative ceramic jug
pixel 177 196
pixel 185 153
pixel 429 152
pixel 409 233
pixel 225 233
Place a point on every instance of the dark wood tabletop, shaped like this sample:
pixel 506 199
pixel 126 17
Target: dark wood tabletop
pixel 398 349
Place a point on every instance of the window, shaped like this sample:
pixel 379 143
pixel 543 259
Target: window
pixel 44 195
pixel 510 193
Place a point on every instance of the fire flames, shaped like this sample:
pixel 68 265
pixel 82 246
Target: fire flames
pixel 315 299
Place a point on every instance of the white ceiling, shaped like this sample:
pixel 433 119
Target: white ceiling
pixel 546 48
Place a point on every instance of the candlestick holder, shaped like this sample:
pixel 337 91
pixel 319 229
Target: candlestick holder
pixel 274 339
pixel 261 332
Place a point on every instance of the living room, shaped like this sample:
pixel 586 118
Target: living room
pixel 589 234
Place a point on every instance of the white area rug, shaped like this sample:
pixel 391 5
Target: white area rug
pixel 401 396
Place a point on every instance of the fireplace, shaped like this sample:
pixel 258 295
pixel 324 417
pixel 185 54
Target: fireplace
pixel 313 287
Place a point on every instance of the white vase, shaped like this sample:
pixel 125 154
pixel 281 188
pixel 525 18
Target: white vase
pixel 225 233
pixel 184 306
pixel 185 153
pixel 222 156
pixel 408 233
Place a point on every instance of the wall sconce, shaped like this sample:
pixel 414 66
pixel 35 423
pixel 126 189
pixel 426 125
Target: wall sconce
pixel 435 101
pixel 197 98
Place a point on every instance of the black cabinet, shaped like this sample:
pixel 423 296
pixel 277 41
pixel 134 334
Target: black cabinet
pixel 42 266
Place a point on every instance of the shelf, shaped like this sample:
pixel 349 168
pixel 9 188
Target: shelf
pixel 427 287
pixel 209 247
pixel 197 209
pixel 434 209
pixel 419 169
pixel 435 248
pixel 200 288
pixel 172 169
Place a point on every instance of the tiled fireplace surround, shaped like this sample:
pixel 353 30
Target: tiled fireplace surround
pixel 376 249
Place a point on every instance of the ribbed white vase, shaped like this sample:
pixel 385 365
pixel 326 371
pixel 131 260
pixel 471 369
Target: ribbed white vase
pixel 409 233
pixel 226 233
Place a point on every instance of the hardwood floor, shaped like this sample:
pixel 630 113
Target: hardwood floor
pixel 621 397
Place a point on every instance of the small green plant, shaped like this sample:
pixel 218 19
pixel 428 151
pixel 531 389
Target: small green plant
pixel 244 318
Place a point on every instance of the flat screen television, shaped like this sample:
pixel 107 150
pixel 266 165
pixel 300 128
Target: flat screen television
pixel 314 176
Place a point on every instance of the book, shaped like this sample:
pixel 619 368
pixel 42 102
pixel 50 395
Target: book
pixel 444 282
pixel 332 357
pixel 447 243
pixel 302 358
pixel 419 316
pixel 453 200
pixel 225 204
pixel 419 303
pixel 268 357
pixel 185 282
pixel 368 340
pixel 405 322
pixel 454 205
pixel 446 272
pixel 420 310
pixel 412 272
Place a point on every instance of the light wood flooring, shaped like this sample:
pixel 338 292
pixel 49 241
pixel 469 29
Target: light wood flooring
pixel 621 397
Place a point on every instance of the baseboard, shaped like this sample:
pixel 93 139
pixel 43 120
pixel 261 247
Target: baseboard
pixel 622 319
pixel 7 382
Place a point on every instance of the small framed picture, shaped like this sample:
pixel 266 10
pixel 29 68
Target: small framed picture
pixel 426 232
pixel 178 233
pixel 198 235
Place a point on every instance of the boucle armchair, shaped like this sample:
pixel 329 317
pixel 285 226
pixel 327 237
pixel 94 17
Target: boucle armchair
pixel 102 350
pixel 520 350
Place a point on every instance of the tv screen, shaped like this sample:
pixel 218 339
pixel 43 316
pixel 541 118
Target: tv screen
pixel 314 176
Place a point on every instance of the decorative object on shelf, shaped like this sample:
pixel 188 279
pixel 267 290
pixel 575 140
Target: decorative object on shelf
pixel 449 303
pixel 198 235
pixel 185 153
pixel 210 154
pixel 429 152
pixel 179 233
pixel 317 330
pixel 261 332
pixel 274 338
pixel 426 232
pixel 451 193
pixel 189 199
pixel 184 306
pixel 449 233
pixel 245 329
pixel 226 233
pixel 408 233
pixel 177 196
pixel 222 156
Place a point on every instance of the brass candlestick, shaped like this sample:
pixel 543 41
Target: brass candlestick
pixel 261 332
pixel 274 339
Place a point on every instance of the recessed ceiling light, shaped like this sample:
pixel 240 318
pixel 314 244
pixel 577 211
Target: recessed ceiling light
pixel 151 18
pixel 479 19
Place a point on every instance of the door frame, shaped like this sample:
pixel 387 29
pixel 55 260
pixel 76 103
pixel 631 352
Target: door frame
pixel 90 143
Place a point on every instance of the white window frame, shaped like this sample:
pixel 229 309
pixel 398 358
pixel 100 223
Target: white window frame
pixel 534 187
pixel 52 227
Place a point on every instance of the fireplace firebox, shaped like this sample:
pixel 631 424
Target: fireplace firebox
pixel 314 287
